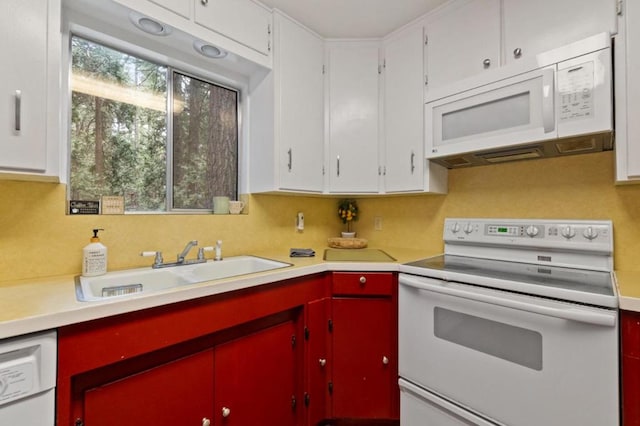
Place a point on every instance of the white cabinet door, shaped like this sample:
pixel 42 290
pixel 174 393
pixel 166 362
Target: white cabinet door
pixel 462 41
pixel 23 43
pixel 353 116
pixel 627 95
pixel 241 20
pixel 403 112
pixel 299 88
pixel 531 27
pixel 181 7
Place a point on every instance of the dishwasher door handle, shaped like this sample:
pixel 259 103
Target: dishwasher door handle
pixel 569 313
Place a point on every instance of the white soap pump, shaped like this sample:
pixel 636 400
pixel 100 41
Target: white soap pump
pixel 94 257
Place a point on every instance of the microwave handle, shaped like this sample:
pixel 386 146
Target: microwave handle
pixel 548 90
pixel 569 313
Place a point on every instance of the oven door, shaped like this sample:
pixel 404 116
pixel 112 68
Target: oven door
pixel 517 359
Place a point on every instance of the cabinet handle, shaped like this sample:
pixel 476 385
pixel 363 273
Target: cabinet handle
pixel 413 166
pixel 206 421
pixel 517 52
pixel 338 165
pixel 363 280
pixel 486 63
pixel 290 164
pixel 226 411
pixel 322 362
pixel 204 2
pixel 385 360
pixel 18 101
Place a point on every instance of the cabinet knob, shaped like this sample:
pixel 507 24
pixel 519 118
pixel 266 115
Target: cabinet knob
pixel 204 2
pixel 517 52
pixel 363 280
pixel 226 411
pixel 486 63
pixel 322 362
pixel 385 360
pixel 206 421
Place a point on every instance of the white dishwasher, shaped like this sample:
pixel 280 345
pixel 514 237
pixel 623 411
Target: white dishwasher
pixel 27 379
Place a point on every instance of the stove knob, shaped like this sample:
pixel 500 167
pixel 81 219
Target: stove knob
pixel 532 231
pixel 590 233
pixel 455 228
pixel 468 228
pixel 568 232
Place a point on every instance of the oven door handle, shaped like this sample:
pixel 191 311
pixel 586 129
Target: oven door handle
pixel 568 313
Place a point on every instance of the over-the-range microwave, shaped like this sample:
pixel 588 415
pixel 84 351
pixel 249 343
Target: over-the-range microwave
pixel 558 103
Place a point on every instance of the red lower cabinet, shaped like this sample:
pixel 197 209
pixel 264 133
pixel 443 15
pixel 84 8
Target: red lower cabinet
pixel 176 393
pixel 630 365
pixel 318 361
pixel 365 348
pixel 309 351
pixel 255 380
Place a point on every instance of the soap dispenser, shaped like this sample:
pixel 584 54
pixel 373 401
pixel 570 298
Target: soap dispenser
pixel 94 257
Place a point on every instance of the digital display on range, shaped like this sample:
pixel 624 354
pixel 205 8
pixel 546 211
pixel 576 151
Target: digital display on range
pixel 503 230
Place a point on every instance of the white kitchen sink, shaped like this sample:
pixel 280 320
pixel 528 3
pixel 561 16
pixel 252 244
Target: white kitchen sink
pixel 145 280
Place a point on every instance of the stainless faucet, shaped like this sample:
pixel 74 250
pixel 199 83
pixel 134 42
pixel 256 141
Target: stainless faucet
pixel 186 250
pixel 181 259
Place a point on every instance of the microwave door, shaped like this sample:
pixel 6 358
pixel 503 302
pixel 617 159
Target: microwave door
pixel 510 112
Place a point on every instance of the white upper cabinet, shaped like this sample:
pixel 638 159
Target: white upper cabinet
pixel 244 21
pixel 299 88
pixel 181 7
pixel 30 46
pixel 532 27
pixel 353 110
pixel 627 95
pixel 462 40
pixel 405 168
pixel 286 114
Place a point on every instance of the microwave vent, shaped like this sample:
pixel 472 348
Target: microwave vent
pixel 452 162
pixel 511 155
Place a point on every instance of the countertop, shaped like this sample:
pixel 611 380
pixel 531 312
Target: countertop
pixel 32 305
pixel 628 283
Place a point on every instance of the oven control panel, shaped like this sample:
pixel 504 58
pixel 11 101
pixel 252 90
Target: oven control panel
pixel 576 234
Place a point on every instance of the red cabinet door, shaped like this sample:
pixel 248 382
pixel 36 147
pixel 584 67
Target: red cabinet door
pixel 363 358
pixel 318 361
pixel 255 379
pixel 630 364
pixel 177 393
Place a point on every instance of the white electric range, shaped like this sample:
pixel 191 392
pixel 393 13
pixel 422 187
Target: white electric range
pixel 515 324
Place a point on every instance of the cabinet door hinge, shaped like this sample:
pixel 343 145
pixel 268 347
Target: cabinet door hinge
pixel 306 333
pixel 269 29
pixel 307 399
pixel 379 69
pixel 293 341
pixel 323 70
pixel 330 388
pixel 619 7
pixel 426 39
pixel 330 326
pixel 294 403
pixel 426 80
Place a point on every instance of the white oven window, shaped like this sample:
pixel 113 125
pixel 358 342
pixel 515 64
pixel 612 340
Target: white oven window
pixel 505 341
pixel 498 114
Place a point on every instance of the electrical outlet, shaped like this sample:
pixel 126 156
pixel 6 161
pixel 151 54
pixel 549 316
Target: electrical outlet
pixel 377 223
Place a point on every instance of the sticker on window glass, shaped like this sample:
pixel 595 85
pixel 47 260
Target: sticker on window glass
pixel 575 85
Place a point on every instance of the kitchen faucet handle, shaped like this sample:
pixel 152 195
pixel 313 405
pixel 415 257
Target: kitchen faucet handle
pixel 201 251
pixel 158 256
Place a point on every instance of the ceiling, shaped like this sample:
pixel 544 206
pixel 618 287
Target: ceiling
pixel 354 18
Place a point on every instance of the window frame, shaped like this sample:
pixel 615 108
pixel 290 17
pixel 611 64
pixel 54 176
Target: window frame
pixel 195 70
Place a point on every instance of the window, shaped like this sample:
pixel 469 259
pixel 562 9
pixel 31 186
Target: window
pixel 162 139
